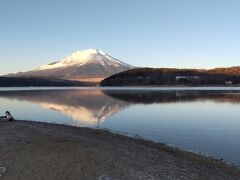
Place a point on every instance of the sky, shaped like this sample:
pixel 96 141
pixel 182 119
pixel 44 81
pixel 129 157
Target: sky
pixel 143 33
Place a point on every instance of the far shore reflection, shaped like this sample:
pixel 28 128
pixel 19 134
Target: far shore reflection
pixel 149 97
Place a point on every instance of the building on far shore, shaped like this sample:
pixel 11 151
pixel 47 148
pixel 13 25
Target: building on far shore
pixel 228 83
pixel 187 78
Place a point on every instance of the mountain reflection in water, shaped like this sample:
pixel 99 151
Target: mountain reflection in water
pixel 92 107
pixel 88 107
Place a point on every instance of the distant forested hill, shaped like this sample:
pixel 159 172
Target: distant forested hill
pixel 171 76
pixel 37 82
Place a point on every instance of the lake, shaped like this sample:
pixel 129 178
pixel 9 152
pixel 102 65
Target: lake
pixel 203 119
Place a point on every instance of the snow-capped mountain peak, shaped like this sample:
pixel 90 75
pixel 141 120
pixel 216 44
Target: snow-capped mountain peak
pixel 91 65
pixel 88 54
pixel 80 58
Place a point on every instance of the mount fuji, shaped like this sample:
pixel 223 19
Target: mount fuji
pixel 91 65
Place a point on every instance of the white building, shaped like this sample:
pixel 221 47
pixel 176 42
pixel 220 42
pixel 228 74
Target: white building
pixel 186 77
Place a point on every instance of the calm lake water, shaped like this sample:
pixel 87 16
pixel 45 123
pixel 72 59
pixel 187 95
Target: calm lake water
pixel 203 120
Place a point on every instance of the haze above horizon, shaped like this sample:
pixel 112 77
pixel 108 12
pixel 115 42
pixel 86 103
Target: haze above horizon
pixel 156 33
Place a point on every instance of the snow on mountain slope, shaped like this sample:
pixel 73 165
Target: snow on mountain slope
pixel 80 58
pixel 87 65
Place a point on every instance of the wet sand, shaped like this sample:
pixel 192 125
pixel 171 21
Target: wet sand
pixel 31 150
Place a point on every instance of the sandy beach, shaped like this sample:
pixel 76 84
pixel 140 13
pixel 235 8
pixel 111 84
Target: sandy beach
pixel 31 150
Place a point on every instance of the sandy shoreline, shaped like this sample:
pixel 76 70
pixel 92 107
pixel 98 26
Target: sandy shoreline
pixel 31 150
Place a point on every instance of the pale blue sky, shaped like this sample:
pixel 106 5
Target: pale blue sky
pixel 155 33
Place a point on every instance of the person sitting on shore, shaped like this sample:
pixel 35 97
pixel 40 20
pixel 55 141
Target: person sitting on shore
pixel 8 116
